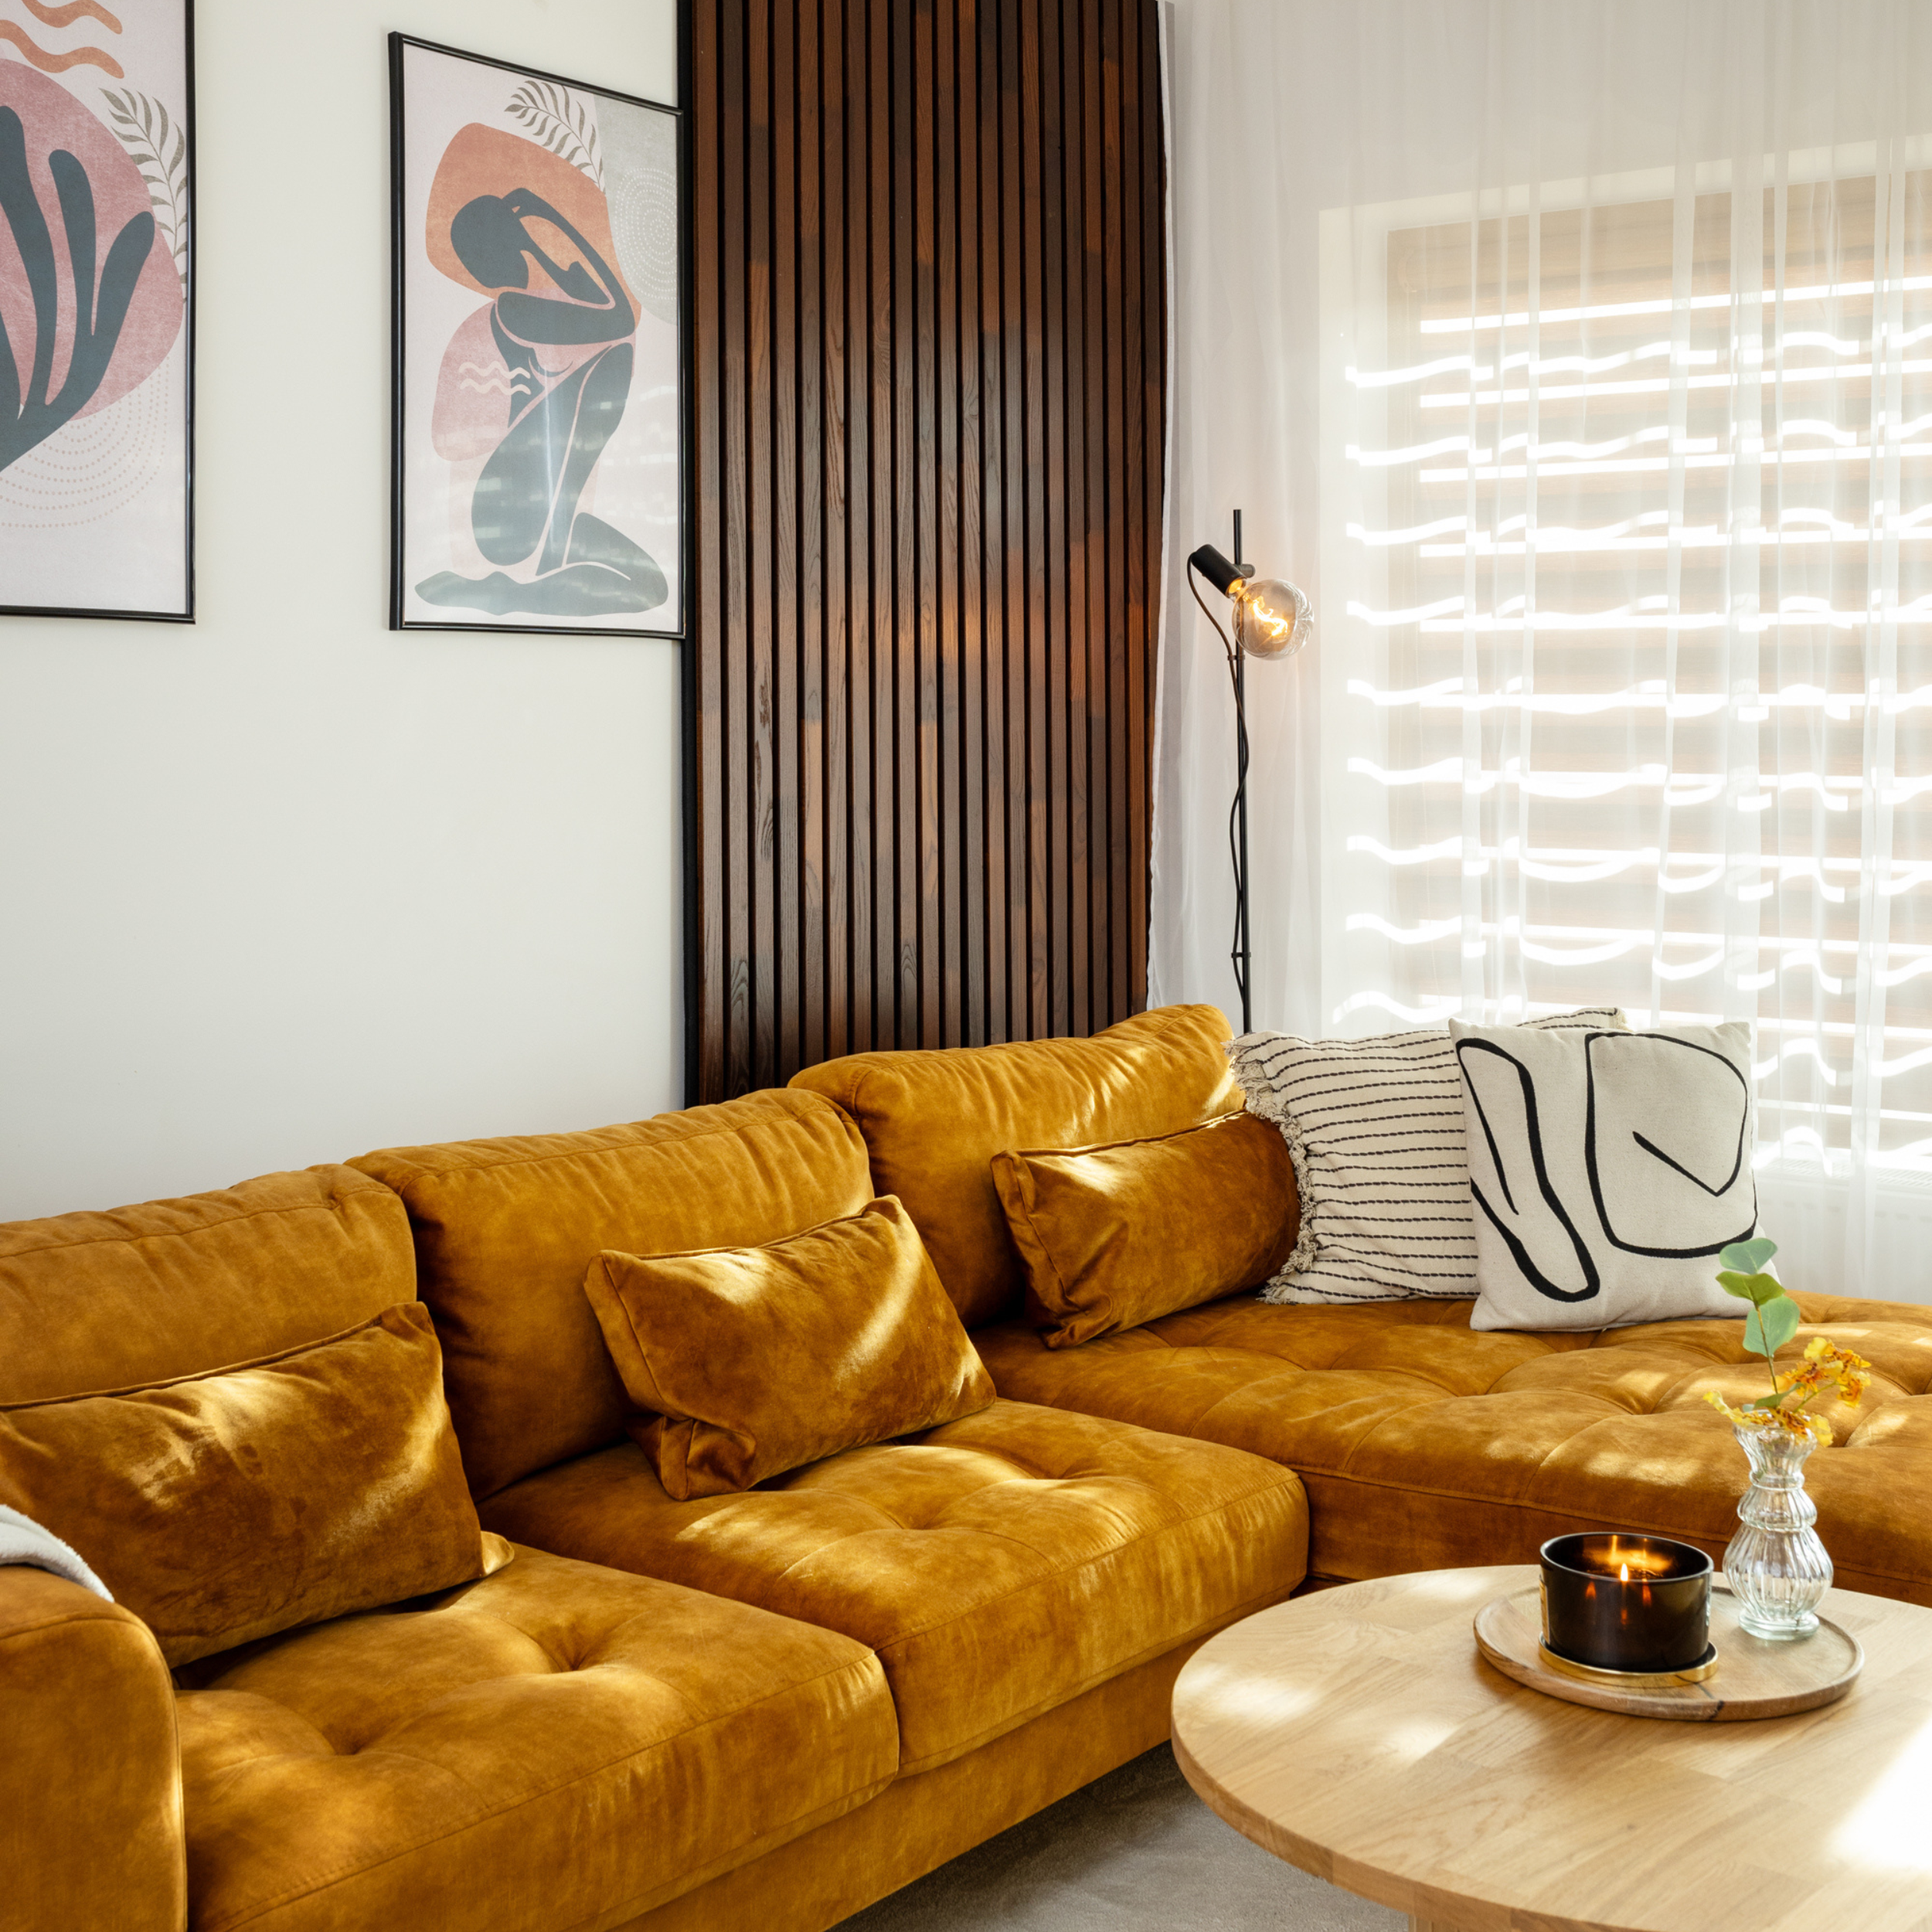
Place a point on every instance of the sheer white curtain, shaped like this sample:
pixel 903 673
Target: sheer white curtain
pixel 1576 355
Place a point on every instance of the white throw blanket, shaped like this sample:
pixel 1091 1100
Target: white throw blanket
pixel 23 1541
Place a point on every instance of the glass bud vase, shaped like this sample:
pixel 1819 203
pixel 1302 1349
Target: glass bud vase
pixel 1776 1566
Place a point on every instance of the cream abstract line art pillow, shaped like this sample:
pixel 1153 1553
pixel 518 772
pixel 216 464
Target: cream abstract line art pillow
pixel 1375 1129
pixel 1607 1170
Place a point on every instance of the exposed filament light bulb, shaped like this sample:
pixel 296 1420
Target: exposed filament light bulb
pixel 1273 618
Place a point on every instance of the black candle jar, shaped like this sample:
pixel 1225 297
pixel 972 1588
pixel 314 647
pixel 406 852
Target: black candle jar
pixel 1636 1604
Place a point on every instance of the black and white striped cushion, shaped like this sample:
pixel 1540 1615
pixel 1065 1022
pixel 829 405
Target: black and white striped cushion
pixel 1375 1128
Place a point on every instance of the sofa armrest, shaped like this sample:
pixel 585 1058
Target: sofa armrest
pixel 90 1824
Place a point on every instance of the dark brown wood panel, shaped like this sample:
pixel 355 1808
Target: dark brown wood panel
pixel 928 315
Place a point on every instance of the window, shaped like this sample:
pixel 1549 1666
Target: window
pixel 1635 701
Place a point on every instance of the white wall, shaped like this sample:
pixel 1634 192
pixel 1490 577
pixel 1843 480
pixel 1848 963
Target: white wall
pixel 285 885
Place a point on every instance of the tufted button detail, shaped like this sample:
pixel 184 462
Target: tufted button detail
pixel 1426 1444
pixel 346 1772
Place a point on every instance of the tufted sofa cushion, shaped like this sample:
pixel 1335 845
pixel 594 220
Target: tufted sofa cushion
pixel 999 1566
pixel 933 1119
pixel 556 1747
pixel 505 1230
pixel 1425 1444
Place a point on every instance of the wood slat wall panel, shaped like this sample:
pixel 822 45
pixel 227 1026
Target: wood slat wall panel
pixel 928 318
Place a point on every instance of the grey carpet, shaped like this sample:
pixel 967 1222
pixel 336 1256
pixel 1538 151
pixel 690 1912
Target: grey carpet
pixel 1137 1849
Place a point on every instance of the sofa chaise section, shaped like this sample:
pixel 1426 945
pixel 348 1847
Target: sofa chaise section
pixel 1425 1444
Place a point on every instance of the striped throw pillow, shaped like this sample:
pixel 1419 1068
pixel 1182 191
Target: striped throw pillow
pixel 1375 1128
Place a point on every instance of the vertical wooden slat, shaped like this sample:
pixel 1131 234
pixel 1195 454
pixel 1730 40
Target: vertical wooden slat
pixel 922 445
pixel 808 457
pixel 737 724
pixel 1150 459
pixel 1095 646
pixel 761 583
pixel 949 942
pixel 836 696
pixel 1019 482
pixel 888 829
pixel 1110 614
pixel 862 1028
pixel 928 296
pixel 787 562
pixel 999 1024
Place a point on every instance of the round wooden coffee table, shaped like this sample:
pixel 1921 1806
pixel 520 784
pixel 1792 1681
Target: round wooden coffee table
pixel 1357 1734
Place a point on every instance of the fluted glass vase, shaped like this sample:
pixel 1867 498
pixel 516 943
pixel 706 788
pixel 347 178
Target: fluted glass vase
pixel 1776 1566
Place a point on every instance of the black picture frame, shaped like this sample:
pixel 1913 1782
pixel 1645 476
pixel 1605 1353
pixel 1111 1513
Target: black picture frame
pixel 190 214
pixel 400 572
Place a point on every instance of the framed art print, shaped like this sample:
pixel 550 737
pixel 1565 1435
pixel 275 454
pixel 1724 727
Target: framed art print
pixel 96 306
pixel 539 458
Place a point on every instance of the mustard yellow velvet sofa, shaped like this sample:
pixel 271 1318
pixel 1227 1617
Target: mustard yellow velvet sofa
pixel 765 1709
pixel 768 1708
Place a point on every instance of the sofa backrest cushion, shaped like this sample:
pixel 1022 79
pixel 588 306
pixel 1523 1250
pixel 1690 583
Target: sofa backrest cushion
pixel 506 1230
pixel 933 1121
pixel 139 1294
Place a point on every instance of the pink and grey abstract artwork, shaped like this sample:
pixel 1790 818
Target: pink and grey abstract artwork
pixel 95 268
pixel 538 444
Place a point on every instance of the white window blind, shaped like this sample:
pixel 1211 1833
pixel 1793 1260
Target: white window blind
pixel 1633 699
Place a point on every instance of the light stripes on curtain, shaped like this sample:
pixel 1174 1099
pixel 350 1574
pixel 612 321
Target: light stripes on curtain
pixel 1633 702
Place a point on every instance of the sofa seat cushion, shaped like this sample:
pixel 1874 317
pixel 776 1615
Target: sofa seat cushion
pixel 555 1746
pixel 999 1565
pixel 1425 1444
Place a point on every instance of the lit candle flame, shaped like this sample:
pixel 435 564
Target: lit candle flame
pixel 1623 1575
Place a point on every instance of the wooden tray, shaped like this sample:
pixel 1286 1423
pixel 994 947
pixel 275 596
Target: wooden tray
pixel 1754 1676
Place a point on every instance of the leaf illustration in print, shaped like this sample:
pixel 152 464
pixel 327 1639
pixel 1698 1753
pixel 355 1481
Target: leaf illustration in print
pixel 563 125
pixel 89 308
pixel 159 146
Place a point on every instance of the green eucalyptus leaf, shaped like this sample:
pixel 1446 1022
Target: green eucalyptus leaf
pixel 1749 1258
pixel 1770 1326
pixel 1766 1402
pixel 1759 1288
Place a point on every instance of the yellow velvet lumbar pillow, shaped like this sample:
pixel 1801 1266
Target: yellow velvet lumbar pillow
pixel 222 1507
pixel 753 1361
pixel 1113 1236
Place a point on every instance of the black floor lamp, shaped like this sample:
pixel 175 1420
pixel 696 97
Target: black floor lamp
pixel 1272 621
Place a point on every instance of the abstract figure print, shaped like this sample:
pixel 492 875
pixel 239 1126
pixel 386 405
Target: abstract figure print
pixel 95 252
pixel 537 278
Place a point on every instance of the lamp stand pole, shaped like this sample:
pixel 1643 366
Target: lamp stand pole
pixel 1241 955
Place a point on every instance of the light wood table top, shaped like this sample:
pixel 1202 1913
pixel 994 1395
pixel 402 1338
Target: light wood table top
pixel 1357 1734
